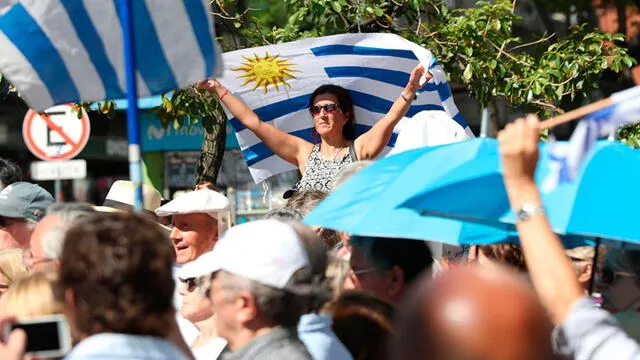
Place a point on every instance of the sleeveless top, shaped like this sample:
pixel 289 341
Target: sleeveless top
pixel 319 173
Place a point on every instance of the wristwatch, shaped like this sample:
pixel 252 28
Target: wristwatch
pixel 527 211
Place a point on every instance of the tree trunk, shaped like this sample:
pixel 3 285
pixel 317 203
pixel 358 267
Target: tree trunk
pixel 213 147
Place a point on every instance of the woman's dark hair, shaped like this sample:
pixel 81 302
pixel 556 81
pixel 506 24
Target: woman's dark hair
pixel 346 105
pixel 363 323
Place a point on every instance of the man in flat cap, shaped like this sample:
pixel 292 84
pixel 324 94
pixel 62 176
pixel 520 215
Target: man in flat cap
pixel 198 217
pixel 22 205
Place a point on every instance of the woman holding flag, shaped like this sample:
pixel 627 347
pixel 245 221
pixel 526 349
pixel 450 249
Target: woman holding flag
pixel 331 108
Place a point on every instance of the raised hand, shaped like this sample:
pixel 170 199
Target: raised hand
pixel 414 80
pixel 519 150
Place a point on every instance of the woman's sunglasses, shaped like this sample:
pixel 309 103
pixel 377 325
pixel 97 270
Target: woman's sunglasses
pixel 202 283
pixel 189 284
pixel 329 108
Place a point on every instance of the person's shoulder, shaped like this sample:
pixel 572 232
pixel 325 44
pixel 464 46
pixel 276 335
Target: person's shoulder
pixel 288 349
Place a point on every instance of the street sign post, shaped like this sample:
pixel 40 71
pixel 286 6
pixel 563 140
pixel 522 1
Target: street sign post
pixel 53 136
pixel 58 170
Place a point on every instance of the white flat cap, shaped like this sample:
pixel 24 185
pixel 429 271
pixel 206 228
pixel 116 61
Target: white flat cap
pixel 266 251
pixel 199 201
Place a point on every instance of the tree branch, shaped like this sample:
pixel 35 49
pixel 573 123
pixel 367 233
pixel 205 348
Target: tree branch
pixel 506 53
pixel 532 43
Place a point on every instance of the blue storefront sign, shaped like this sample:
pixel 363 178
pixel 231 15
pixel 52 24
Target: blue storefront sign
pixel 155 138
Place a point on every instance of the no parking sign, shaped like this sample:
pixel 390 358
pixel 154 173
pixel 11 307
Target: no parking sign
pixel 57 134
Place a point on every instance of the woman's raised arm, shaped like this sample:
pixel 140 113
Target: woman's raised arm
pixel 289 147
pixel 372 142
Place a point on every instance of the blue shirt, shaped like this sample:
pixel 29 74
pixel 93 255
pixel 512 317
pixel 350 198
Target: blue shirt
pixel 125 346
pixel 314 330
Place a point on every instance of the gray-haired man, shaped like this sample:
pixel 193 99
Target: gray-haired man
pixel 258 290
pixel 47 238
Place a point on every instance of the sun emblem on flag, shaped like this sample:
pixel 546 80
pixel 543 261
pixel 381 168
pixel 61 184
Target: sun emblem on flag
pixel 266 71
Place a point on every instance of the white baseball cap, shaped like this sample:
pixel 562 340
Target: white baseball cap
pixel 199 201
pixel 266 251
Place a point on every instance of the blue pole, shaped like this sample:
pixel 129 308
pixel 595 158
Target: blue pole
pixel 133 128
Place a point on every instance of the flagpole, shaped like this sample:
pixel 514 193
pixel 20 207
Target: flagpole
pixel 133 128
pixel 615 98
pixel 578 113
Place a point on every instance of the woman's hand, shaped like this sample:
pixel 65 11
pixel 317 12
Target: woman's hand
pixel 210 84
pixel 414 80
pixel 13 347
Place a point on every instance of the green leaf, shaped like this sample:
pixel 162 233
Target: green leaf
pixel 336 6
pixel 468 51
pixel 537 89
pixel 468 72
pixel 628 61
pixel 559 91
pixel 379 12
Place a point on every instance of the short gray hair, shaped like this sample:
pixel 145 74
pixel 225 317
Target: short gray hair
pixel 348 171
pixel 275 306
pixel 68 214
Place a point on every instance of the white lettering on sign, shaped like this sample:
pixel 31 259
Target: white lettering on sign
pixel 58 170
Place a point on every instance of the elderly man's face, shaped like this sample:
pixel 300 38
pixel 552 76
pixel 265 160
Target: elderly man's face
pixel 35 257
pixel 224 309
pixel 192 236
pixel 14 233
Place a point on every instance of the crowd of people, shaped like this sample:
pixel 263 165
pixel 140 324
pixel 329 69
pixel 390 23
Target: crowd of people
pixel 179 281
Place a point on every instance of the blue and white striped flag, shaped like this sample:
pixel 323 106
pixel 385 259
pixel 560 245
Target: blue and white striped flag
pixel 60 51
pixel 277 80
pixel 566 158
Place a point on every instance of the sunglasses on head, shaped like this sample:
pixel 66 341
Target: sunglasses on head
pixel 316 109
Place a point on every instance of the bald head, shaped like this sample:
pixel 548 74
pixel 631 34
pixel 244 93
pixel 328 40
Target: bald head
pixel 475 313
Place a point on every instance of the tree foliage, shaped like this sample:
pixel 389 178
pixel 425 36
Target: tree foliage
pixel 476 46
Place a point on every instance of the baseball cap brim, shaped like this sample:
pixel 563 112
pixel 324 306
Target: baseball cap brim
pixel 206 264
pixel 10 212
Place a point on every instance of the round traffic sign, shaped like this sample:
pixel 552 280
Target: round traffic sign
pixel 56 134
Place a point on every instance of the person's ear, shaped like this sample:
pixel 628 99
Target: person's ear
pixel 395 281
pixel 585 274
pixel 69 311
pixel 69 301
pixel 246 307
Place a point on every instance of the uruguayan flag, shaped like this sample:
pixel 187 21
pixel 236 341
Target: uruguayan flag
pixel 566 158
pixel 277 80
pixel 60 51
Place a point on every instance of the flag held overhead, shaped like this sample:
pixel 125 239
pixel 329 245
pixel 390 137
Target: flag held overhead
pixel 60 51
pixel 276 81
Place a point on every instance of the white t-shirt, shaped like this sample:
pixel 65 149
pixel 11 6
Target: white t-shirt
pixel 210 350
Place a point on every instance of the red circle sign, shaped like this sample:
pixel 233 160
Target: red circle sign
pixel 57 134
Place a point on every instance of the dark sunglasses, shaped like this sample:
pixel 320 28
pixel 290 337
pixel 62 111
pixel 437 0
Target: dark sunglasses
pixel 189 283
pixel 316 109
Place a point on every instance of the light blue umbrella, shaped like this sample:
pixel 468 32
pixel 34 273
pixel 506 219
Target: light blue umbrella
pixel 601 203
pixel 367 203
